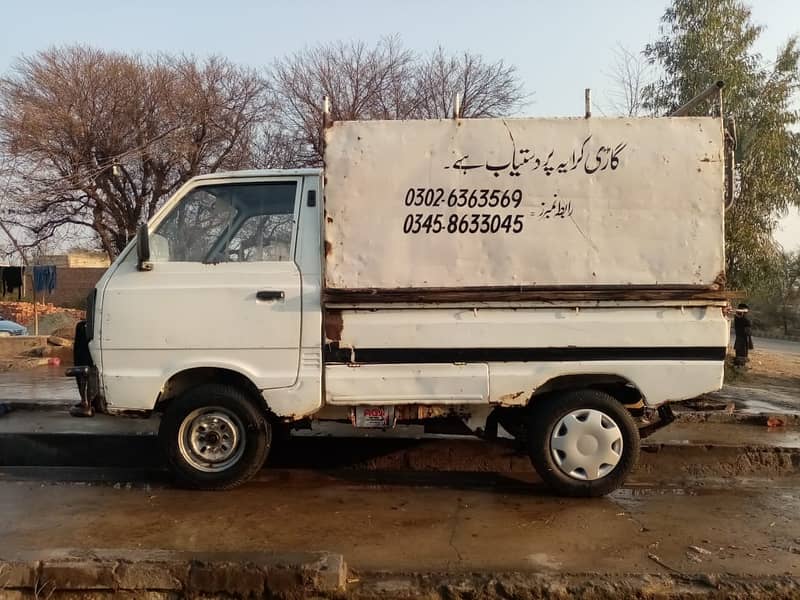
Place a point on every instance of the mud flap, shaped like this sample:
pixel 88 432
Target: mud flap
pixel 665 417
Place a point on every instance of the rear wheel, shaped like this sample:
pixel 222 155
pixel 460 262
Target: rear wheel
pixel 214 438
pixel 583 442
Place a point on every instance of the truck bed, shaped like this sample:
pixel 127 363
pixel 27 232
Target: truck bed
pixel 526 209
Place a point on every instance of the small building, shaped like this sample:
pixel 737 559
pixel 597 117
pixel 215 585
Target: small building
pixel 76 259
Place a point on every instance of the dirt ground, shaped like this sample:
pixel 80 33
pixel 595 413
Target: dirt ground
pixel 769 384
pixel 767 368
pixel 12 364
pixel 452 523
pixel 53 321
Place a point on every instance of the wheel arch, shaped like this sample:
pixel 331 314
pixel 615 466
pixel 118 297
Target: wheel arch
pixel 183 380
pixel 619 387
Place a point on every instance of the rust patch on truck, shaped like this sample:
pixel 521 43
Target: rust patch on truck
pixel 333 325
pixel 328 248
pixel 526 293
pixel 513 397
pixel 719 281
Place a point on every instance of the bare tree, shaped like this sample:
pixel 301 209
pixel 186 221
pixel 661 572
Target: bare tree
pixel 383 82
pixel 485 89
pixel 361 83
pixel 100 139
pixel 630 74
pixel 8 240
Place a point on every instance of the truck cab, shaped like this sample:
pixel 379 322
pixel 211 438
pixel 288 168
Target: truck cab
pixel 232 284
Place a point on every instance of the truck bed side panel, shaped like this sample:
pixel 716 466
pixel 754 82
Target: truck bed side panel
pixel 669 353
pixel 498 203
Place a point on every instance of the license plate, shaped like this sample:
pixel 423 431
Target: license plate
pixel 373 417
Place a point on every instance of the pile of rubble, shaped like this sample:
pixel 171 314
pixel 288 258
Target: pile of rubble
pixel 52 318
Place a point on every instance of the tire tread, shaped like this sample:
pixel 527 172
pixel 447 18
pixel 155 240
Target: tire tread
pixel 255 422
pixel 544 414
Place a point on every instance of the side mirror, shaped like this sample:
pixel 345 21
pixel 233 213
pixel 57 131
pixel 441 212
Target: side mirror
pixel 143 249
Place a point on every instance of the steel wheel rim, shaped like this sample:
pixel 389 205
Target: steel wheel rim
pixel 586 444
pixel 211 439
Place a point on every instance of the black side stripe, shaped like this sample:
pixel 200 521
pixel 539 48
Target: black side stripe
pixel 452 355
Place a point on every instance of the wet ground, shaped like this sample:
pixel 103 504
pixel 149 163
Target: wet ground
pixel 749 399
pixel 42 385
pixel 681 513
pixel 446 523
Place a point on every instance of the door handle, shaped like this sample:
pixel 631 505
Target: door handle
pixel 270 295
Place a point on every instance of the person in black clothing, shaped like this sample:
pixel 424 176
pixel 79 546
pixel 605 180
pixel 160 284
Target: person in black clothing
pixel 744 340
pixel 11 278
pixel 82 358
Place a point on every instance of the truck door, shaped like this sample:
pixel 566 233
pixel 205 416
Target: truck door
pixel 224 291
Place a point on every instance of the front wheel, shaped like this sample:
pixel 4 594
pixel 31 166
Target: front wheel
pixel 214 437
pixel 582 443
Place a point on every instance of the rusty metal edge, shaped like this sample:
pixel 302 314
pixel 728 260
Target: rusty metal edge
pixel 526 293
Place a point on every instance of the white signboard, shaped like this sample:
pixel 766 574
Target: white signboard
pixel 523 202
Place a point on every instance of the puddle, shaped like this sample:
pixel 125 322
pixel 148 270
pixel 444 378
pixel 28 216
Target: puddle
pixel 643 490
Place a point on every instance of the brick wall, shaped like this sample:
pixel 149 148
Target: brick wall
pixel 72 286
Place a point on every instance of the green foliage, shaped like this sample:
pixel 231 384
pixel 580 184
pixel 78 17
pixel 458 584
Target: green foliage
pixel 706 40
pixel 777 300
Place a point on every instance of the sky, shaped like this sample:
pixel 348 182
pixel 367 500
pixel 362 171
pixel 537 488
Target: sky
pixel 560 48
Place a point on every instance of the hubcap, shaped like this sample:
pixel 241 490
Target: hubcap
pixel 586 444
pixel 211 439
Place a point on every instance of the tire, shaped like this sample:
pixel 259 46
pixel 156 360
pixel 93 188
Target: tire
pixel 598 423
pixel 214 438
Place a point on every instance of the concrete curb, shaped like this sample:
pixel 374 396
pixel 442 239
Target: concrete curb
pixel 497 586
pixel 674 460
pixel 12 346
pixel 164 574
pixel 723 418
pixel 139 453
pixel 52 405
pixel 172 575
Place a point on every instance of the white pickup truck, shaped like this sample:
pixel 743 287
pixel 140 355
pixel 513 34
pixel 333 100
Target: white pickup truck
pixel 554 280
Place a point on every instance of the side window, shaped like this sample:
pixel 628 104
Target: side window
pixel 263 237
pixel 242 222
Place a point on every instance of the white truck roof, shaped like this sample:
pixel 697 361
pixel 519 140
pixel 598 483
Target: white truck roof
pixel 506 203
pixel 258 173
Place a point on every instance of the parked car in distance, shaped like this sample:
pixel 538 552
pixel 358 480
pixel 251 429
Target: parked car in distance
pixel 9 328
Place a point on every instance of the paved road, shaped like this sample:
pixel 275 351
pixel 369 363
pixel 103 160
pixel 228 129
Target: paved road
pixel 780 346
pixel 437 523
